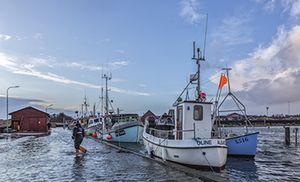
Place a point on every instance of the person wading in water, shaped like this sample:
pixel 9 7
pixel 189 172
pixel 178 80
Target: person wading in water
pixel 78 135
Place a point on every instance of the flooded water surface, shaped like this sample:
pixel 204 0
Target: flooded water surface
pixel 52 158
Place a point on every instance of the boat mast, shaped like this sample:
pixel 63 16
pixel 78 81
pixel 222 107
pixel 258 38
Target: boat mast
pixel 198 56
pixel 102 99
pixel 84 106
pixel 106 77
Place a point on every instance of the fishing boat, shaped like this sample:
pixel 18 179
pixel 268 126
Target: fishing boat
pixel 124 128
pixel 189 141
pixel 243 145
pixel 118 127
pixel 94 124
pixel 238 145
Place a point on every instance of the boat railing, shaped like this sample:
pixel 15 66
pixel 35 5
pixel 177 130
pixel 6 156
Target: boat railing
pixel 167 134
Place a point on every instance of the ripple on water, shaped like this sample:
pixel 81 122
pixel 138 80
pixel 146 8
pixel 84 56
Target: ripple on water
pixel 52 158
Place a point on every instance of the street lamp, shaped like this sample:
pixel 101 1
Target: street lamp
pixel 7 105
pixel 48 107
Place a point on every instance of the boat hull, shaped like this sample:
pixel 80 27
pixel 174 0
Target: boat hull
pixel 242 146
pixel 200 154
pixel 131 134
pixel 91 129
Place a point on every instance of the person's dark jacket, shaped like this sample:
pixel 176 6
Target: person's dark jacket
pixel 78 132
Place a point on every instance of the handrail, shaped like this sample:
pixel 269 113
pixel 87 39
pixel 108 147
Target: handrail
pixel 154 129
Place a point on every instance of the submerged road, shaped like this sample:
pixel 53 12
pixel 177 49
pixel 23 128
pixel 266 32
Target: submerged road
pixel 52 158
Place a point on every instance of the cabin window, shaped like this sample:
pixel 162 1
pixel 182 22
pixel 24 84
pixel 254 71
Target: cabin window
pixel 198 113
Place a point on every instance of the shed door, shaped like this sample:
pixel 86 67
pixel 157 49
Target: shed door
pixel 33 124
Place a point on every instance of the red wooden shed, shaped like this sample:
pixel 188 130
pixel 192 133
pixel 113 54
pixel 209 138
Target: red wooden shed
pixel 148 115
pixel 29 119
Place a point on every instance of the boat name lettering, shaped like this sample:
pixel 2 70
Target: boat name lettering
pixel 120 132
pixel 204 142
pixel 221 142
pixel 241 140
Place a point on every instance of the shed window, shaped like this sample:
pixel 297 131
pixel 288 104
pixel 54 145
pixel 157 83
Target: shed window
pixel 198 113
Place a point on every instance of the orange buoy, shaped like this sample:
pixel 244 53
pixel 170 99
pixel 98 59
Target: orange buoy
pixel 94 135
pixel 108 137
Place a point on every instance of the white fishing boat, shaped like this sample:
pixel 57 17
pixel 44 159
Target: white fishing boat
pixel 189 140
pixel 118 127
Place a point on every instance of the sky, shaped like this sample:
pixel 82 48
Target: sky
pixel 57 51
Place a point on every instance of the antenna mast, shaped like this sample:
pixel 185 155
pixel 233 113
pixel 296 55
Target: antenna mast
pixel 106 77
pixel 198 56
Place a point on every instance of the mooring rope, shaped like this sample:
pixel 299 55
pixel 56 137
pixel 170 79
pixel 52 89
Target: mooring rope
pixel 204 154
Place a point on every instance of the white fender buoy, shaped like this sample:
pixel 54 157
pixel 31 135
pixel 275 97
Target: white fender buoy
pixel 149 149
pixel 164 154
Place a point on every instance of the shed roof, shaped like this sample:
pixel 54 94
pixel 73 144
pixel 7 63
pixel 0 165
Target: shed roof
pixel 30 107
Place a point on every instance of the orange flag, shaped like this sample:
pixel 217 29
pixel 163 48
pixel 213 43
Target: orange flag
pixel 223 81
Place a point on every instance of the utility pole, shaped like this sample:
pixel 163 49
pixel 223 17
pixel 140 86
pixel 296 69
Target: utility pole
pixel 7 123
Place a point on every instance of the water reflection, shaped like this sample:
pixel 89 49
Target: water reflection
pixel 78 168
pixel 242 169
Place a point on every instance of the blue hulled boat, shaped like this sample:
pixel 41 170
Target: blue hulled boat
pixel 243 145
pixel 122 128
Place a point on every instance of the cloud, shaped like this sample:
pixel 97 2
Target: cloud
pixel 295 8
pixel 190 11
pixel 4 37
pixel 116 80
pixel 268 5
pixel 21 99
pixel 38 62
pixel 120 51
pixel 130 92
pixel 82 66
pixel 271 74
pixel 37 36
pixel 234 31
pixel 142 85
pixel 119 63
pixel 11 64
pixel 291 6
pixel 107 40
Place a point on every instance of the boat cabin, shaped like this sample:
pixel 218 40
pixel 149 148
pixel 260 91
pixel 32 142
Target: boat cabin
pixel 94 121
pixel 193 120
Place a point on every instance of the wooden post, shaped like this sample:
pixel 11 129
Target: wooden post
pixel 287 136
pixel 296 132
